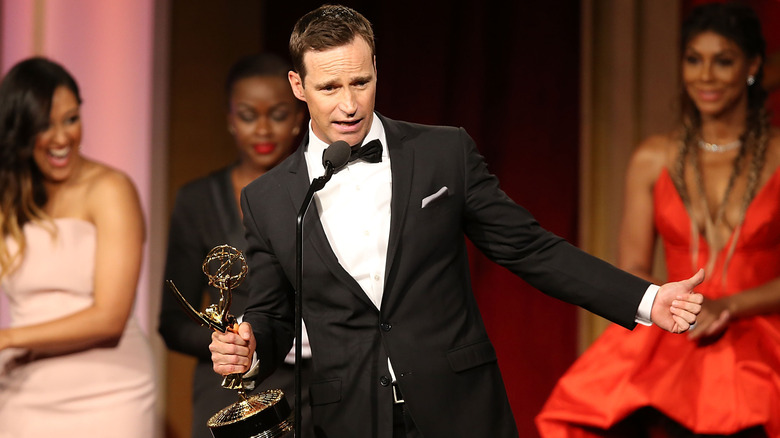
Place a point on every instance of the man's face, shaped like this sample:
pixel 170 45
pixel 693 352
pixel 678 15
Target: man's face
pixel 339 89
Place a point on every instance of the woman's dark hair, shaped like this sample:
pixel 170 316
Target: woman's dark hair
pixel 739 24
pixel 261 64
pixel 26 94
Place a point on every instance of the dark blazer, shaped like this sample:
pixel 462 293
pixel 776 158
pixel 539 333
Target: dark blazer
pixel 429 324
pixel 205 215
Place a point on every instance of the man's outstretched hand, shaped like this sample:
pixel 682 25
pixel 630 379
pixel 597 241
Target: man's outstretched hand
pixel 676 305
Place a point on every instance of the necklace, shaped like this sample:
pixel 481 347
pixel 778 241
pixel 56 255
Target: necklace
pixel 719 148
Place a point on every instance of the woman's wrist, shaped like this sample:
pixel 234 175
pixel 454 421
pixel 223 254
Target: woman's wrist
pixel 732 305
pixel 5 339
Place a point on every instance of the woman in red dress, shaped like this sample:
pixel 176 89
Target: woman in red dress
pixel 711 191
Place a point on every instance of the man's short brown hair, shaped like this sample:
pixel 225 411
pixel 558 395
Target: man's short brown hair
pixel 327 27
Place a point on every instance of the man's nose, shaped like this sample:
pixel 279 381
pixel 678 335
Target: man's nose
pixel 348 103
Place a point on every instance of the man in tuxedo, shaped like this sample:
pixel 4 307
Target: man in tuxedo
pixel 399 348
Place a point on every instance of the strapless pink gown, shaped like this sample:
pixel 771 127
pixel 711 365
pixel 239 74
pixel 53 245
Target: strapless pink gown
pixel 721 387
pixel 105 392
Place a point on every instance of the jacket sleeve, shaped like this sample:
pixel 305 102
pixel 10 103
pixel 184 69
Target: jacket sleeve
pixel 270 305
pixel 509 235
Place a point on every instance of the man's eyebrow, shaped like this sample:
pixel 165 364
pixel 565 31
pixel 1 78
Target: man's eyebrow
pixel 324 84
pixel 337 83
pixel 363 78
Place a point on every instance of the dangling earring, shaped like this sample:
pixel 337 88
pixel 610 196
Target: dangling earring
pixel 751 80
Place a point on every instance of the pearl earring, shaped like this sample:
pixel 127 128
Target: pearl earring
pixel 751 80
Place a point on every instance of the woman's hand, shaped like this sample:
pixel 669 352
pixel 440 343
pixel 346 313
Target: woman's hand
pixel 713 320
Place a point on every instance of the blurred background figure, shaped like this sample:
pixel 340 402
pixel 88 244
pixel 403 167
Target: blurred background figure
pixel 711 191
pixel 264 119
pixel 73 361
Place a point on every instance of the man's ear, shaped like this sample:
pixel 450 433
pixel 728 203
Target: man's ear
pixel 297 85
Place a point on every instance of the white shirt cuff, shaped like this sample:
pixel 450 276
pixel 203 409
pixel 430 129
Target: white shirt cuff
pixel 254 369
pixel 646 306
pixel 249 378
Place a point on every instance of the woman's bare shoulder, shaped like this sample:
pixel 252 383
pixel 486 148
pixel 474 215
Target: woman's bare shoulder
pixel 655 153
pixel 108 188
pixel 103 179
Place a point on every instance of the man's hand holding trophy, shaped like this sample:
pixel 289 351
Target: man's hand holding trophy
pixel 263 415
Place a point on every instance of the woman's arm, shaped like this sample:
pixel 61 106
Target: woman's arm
pixel 636 245
pixel 112 204
pixel 718 313
pixel 757 301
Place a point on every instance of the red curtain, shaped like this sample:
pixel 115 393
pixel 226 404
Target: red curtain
pixel 509 74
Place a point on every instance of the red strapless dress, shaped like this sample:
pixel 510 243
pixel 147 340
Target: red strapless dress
pixel 722 387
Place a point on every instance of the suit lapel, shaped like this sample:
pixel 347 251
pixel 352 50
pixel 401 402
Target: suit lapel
pixel 401 165
pixel 313 233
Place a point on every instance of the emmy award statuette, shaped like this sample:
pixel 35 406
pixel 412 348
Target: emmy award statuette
pixel 263 415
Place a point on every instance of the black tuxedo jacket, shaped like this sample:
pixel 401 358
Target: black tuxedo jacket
pixel 429 324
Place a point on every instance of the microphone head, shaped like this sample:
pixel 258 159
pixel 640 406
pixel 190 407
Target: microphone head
pixel 337 154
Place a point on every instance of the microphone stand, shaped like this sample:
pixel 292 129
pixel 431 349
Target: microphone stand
pixel 316 185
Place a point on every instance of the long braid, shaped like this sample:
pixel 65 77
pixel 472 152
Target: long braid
pixel 757 139
pixel 678 172
pixel 739 24
pixel 688 136
pixel 711 226
pixel 754 144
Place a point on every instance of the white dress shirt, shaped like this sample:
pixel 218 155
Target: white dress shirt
pixel 354 210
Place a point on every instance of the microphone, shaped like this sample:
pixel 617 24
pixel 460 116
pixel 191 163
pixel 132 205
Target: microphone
pixel 336 156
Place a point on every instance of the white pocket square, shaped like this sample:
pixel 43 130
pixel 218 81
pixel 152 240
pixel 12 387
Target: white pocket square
pixel 430 198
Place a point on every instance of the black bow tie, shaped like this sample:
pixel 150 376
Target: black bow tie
pixel 370 152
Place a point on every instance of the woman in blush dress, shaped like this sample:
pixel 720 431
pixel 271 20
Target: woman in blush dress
pixel 711 191
pixel 73 362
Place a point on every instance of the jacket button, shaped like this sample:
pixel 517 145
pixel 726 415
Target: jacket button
pixel 386 326
pixel 384 380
